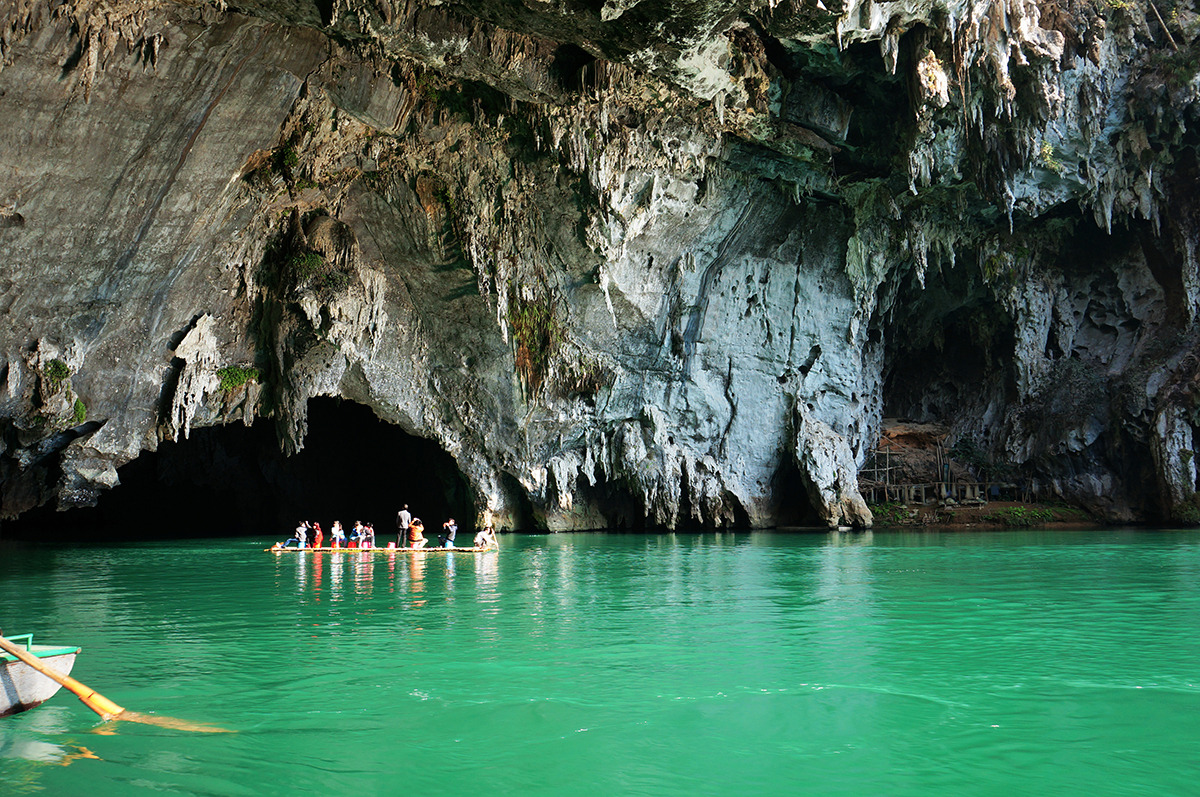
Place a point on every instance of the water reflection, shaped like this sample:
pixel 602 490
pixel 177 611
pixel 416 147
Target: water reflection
pixel 337 565
pixel 317 567
pixel 415 574
pixel 364 572
pixel 21 741
pixel 15 745
pixel 416 578
pixel 665 664
pixel 855 539
pixel 845 606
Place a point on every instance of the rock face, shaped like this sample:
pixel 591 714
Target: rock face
pixel 642 264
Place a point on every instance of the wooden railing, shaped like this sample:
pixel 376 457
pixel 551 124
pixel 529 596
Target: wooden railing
pixel 930 492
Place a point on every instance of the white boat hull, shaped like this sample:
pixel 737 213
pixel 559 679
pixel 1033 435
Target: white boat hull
pixel 22 687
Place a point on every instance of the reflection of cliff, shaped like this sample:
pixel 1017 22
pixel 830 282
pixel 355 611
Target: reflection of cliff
pixel 621 277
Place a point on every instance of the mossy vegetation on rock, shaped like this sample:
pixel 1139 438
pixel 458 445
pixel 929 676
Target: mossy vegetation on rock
pixel 235 376
pixel 536 334
pixel 55 373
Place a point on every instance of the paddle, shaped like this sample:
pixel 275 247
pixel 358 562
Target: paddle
pixel 97 702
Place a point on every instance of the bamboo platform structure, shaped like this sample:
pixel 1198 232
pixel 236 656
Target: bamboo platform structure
pixel 877 484
pixel 930 492
pixel 431 549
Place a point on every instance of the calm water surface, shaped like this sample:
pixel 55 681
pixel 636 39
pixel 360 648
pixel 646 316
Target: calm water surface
pixel 840 664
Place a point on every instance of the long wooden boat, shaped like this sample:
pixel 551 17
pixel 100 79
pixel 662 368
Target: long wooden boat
pixel 21 686
pixel 431 549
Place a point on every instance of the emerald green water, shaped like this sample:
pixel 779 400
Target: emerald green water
pixel 593 664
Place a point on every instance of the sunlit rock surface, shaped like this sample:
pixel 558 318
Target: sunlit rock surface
pixel 641 264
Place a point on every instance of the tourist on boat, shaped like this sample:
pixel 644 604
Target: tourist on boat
pixel 403 518
pixel 485 538
pixel 295 538
pixel 318 535
pixel 358 535
pixel 416 537
pixel 298 537
pixel 369 536
pixel 337 534
pixel 451 530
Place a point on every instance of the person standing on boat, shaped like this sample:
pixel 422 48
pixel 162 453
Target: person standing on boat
pixel 301 533
pixel 451 530
pixel 318 535
pixel 403 518
pixel 416 539
pixel 338 536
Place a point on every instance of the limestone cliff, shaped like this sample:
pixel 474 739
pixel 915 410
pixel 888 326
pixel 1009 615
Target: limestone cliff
pixel 640 263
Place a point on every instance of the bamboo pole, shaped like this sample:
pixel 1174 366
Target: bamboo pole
pixel 107 709
pixel 1158 16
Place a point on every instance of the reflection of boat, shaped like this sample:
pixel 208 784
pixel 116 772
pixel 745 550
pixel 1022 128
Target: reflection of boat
pixel 21 686
pixel 280 549
pixel 18 747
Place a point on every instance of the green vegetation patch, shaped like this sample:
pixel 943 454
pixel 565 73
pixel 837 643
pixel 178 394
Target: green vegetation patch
pixel 306 265
pixel 80 411
pixel 890 514
pixel 1188 514
pixel 56 372
pixel 283 162
pixel 536 335
pixel 1019 517
pixel 1048 159
pixel 234 376
pixel 286 159
pixel 312 272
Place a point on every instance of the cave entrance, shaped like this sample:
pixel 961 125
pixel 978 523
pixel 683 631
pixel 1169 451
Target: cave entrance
pixel 953 355
pixel 793 507
pixel 234 481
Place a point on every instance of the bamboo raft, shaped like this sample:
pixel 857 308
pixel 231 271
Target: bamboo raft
pixel 431 549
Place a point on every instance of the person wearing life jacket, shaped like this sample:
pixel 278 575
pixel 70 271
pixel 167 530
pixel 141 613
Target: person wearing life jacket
pixel 416 536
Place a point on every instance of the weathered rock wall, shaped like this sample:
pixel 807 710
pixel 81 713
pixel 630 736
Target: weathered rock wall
pixel 642 264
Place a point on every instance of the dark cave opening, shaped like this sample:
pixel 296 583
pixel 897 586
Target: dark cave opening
pixel 793 506
pixel 523 515
pixel 623 511
pixel 234 481
pixel 616 504
pixel 573 68
pixel 955 351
